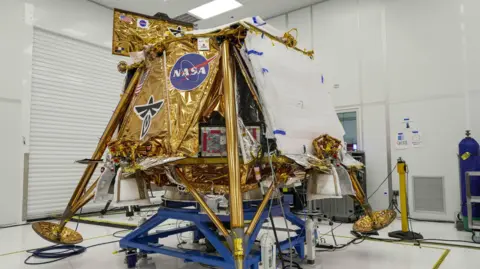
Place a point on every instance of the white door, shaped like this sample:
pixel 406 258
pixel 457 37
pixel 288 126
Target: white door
pixel 75 88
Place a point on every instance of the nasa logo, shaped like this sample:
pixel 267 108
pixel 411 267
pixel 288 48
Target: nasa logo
pixel 142 23
pixel 190 71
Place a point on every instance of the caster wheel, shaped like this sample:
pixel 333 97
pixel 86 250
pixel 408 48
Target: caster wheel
pixel 131 259
pixel 476 237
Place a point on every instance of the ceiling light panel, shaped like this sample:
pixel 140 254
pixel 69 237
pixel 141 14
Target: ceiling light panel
pixel 214 8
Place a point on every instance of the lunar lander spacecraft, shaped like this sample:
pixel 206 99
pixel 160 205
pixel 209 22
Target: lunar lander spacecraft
pixel 220 119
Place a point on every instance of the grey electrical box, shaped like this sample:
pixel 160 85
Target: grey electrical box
pixel 344 209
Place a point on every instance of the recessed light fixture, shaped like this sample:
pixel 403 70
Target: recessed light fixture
pixel 214 8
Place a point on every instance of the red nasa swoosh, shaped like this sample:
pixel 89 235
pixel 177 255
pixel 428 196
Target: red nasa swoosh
pixel 200 65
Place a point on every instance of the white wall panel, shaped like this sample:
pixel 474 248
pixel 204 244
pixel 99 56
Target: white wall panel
pixel 11 162
pixel 302 20
pixel 375 147
pixel 15 46
pixel 469 16
pixel 420 57
pixel 75 88
pixel 372 49
pixel 79 19
pixel 441 122
pixel 335 28
pixel 474 114
pixel 279 22
pixel 424 51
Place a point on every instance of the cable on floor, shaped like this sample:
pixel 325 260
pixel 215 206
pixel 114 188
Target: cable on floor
pixel 355 241
pixel 115 234
pixel 59 252
pixel 293 264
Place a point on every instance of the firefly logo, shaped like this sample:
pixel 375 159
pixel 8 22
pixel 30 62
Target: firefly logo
pixel 190 71
pixel 146 113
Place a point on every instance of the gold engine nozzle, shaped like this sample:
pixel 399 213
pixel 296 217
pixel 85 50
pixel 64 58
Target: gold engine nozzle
pixel 372 221
pixel 52 232
pixel 381 219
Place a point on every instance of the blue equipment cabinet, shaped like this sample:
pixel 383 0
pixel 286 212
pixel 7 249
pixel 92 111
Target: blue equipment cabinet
pixel 469 161
pixel 202 227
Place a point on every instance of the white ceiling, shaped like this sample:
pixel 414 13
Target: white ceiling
pixel 262 8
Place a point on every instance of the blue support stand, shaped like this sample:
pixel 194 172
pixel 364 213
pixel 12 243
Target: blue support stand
pixel 203 228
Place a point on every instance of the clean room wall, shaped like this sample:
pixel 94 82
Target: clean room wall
pixel 402 58
pixel 301 20
pixel 14 77
pixel 78 19
pixel 279 22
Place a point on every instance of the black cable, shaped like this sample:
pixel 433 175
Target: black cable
pixel 78 223
pixel 333 235
pixel 13 225
pixel 419 241
pixel 115 234
pixel 58 252
pixel 179 246
pixel 383 182
pixel 277 241
pixel 447 240
pixel 357 240
pixel 294 263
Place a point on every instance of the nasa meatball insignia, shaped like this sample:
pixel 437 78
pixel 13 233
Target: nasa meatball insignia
pixel 143 23
pixel 190 71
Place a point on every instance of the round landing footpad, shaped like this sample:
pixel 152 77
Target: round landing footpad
pixel 48 231
pixel 383 218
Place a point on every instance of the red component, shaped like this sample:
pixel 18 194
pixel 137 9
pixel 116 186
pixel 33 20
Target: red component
pixel 204 141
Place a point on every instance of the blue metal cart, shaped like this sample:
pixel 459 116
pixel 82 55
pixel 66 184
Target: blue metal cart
pixel 203 228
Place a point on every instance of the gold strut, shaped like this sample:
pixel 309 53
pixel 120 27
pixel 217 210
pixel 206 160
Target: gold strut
pixel 202 203
pixel 77 201
pixel 231 123
pixel 260 209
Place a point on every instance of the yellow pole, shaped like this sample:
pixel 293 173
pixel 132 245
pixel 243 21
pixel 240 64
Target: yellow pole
pixel 236 203
pixel 401 169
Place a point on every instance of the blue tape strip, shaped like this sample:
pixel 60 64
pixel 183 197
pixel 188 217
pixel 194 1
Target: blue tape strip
pixel 256 22
pixel 254 52
pixel 279 132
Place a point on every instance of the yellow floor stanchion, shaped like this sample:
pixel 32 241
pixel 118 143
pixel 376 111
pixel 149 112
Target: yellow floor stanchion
pixel 405 233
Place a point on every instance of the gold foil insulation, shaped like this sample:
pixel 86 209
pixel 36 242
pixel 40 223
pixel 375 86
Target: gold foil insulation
pixel 133 31
pixel 213 178
pixel 326 146
pixel 173 130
